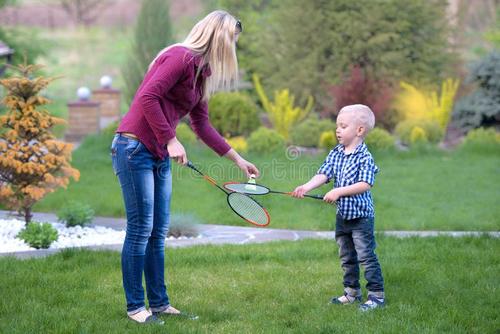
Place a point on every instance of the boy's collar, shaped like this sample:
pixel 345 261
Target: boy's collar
pixel 359 149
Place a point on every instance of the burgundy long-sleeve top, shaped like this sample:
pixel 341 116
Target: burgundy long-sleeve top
pixel 167 94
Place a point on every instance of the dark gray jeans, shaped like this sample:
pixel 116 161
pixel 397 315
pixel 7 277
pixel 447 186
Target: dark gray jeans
pixel 356 242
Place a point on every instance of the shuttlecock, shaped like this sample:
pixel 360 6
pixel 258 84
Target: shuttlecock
pixel 251 183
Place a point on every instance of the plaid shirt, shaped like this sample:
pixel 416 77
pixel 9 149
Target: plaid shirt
pixel 348 169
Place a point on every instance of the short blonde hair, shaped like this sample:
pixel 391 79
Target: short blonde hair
pixel 362 113
pixel 214 39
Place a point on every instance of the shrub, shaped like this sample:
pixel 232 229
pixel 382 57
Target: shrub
pixel 419 105
pixel 38 235
pixel 183 225
pixel 418 136
pixel 238 143
pixel 360 88
pixel 307 133
pixel 327 140
pixel 482 140
pixel 184 133
pixel 233 114
pixel 282 112
pixel 75 213
pixel 110 130
pixel 432 130
pixel 265 140
pixel 380 139
pixel 482 106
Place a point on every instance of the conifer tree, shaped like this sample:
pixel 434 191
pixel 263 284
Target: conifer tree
pixel 33 162
pixel 153 32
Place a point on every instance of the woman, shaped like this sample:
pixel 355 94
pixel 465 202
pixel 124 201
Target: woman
pixel 179 82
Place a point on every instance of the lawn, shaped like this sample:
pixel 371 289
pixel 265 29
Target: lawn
pixel 414 191
pixel 433 285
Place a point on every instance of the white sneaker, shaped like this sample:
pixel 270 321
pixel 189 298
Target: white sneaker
pixel 145 317
pixel 371 303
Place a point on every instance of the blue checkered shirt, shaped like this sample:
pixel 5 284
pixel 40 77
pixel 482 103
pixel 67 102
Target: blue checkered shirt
pixel 348 169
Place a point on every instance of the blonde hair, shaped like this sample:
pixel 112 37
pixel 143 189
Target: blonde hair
pixel 362 113
pixel 214 39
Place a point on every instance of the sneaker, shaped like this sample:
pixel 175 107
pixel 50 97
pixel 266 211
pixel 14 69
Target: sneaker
pixel 371 303
pixel 172 311
pixel 345 299
pixel 145 317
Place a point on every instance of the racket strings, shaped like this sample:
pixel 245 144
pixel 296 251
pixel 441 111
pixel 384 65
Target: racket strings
pixel 247 188
pixel 248 209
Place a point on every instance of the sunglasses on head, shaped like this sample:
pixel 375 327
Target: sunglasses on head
pixel 238 26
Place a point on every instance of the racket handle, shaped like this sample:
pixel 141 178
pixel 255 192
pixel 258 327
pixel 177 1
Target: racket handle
pixel 290 194
pixel 190 165
pixel 315 196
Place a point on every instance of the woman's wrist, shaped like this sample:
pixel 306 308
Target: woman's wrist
pixel 172 140
pixel 233 156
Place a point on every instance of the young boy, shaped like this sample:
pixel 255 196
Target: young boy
pixel 352 167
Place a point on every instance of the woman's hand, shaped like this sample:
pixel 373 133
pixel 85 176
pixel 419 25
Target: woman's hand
pixel 176 151
pixel 247 167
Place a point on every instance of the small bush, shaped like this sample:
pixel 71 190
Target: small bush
pixel 327 140
pixel 183 225
pixel 75 213
pixel 109 131
pixel 482 140
pixel 265 140
pixel 431 128
pixel 38 235
pixel 233 114
pixel 379 139
pixel 185 135
pixel 308 132
pixel 238 143
pixel 418 136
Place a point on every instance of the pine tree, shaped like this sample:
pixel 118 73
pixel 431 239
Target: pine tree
pixel 33 162
pixel 153 32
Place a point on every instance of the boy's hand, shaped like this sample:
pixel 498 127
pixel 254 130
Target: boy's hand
pixel 332 196
pixel 300 191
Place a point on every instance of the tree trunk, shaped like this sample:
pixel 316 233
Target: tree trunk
pixel 27 215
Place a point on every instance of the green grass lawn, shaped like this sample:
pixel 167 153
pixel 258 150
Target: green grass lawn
pixel 425 191
pixel 433 285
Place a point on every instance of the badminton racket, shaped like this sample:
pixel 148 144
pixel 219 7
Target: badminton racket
pixel 244 206
pixel 257 189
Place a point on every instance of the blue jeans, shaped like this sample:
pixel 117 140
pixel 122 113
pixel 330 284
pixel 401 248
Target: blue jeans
pixel 356 240
pixel 146 184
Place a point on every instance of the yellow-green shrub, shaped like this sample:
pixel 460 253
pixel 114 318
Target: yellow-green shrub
pixel 418 136
pixel 419 105
pixel 282 113
pixel 380 139
pixel 265 140
pixel 432 130
pixel 327 140
pixel 238 143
